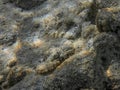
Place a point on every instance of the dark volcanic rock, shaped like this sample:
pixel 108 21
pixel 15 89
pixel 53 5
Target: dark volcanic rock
pixel 107 48
pixel 107 3
pixel 59 45
pixel 108 20
pixel 78 66
pixel 27 4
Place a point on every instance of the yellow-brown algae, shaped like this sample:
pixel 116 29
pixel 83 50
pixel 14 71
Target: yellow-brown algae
pixel 84 53
pixel 2 18
pixel 67 61
pixel 68 43
pixel 51 76
pixel 48 21
pixel 113 9
pixel 41 68
pixel 108 73
pixel 29 70
pixel 17 46
pixel 70 59
pixel 47 67
pixel 37 43
pixel 12 49
pixel 79 45
pixel 26 14
pixel 15 27
pixel 113 72
pixel 1 78
pixel 12 61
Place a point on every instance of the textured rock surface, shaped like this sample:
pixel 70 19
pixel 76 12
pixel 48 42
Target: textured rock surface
pixel 59 44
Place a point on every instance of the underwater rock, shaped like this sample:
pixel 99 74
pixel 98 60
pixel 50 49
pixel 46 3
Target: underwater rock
pixel 108 20
pixel 28 4
pixel 59 45
pixel 107 3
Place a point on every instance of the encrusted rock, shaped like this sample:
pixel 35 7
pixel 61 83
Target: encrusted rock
pixel 108 20
pixel 7 38
pixel 59 45
pixel 107 3
pixel 47 67
pixel 15 75
pixel 28 4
